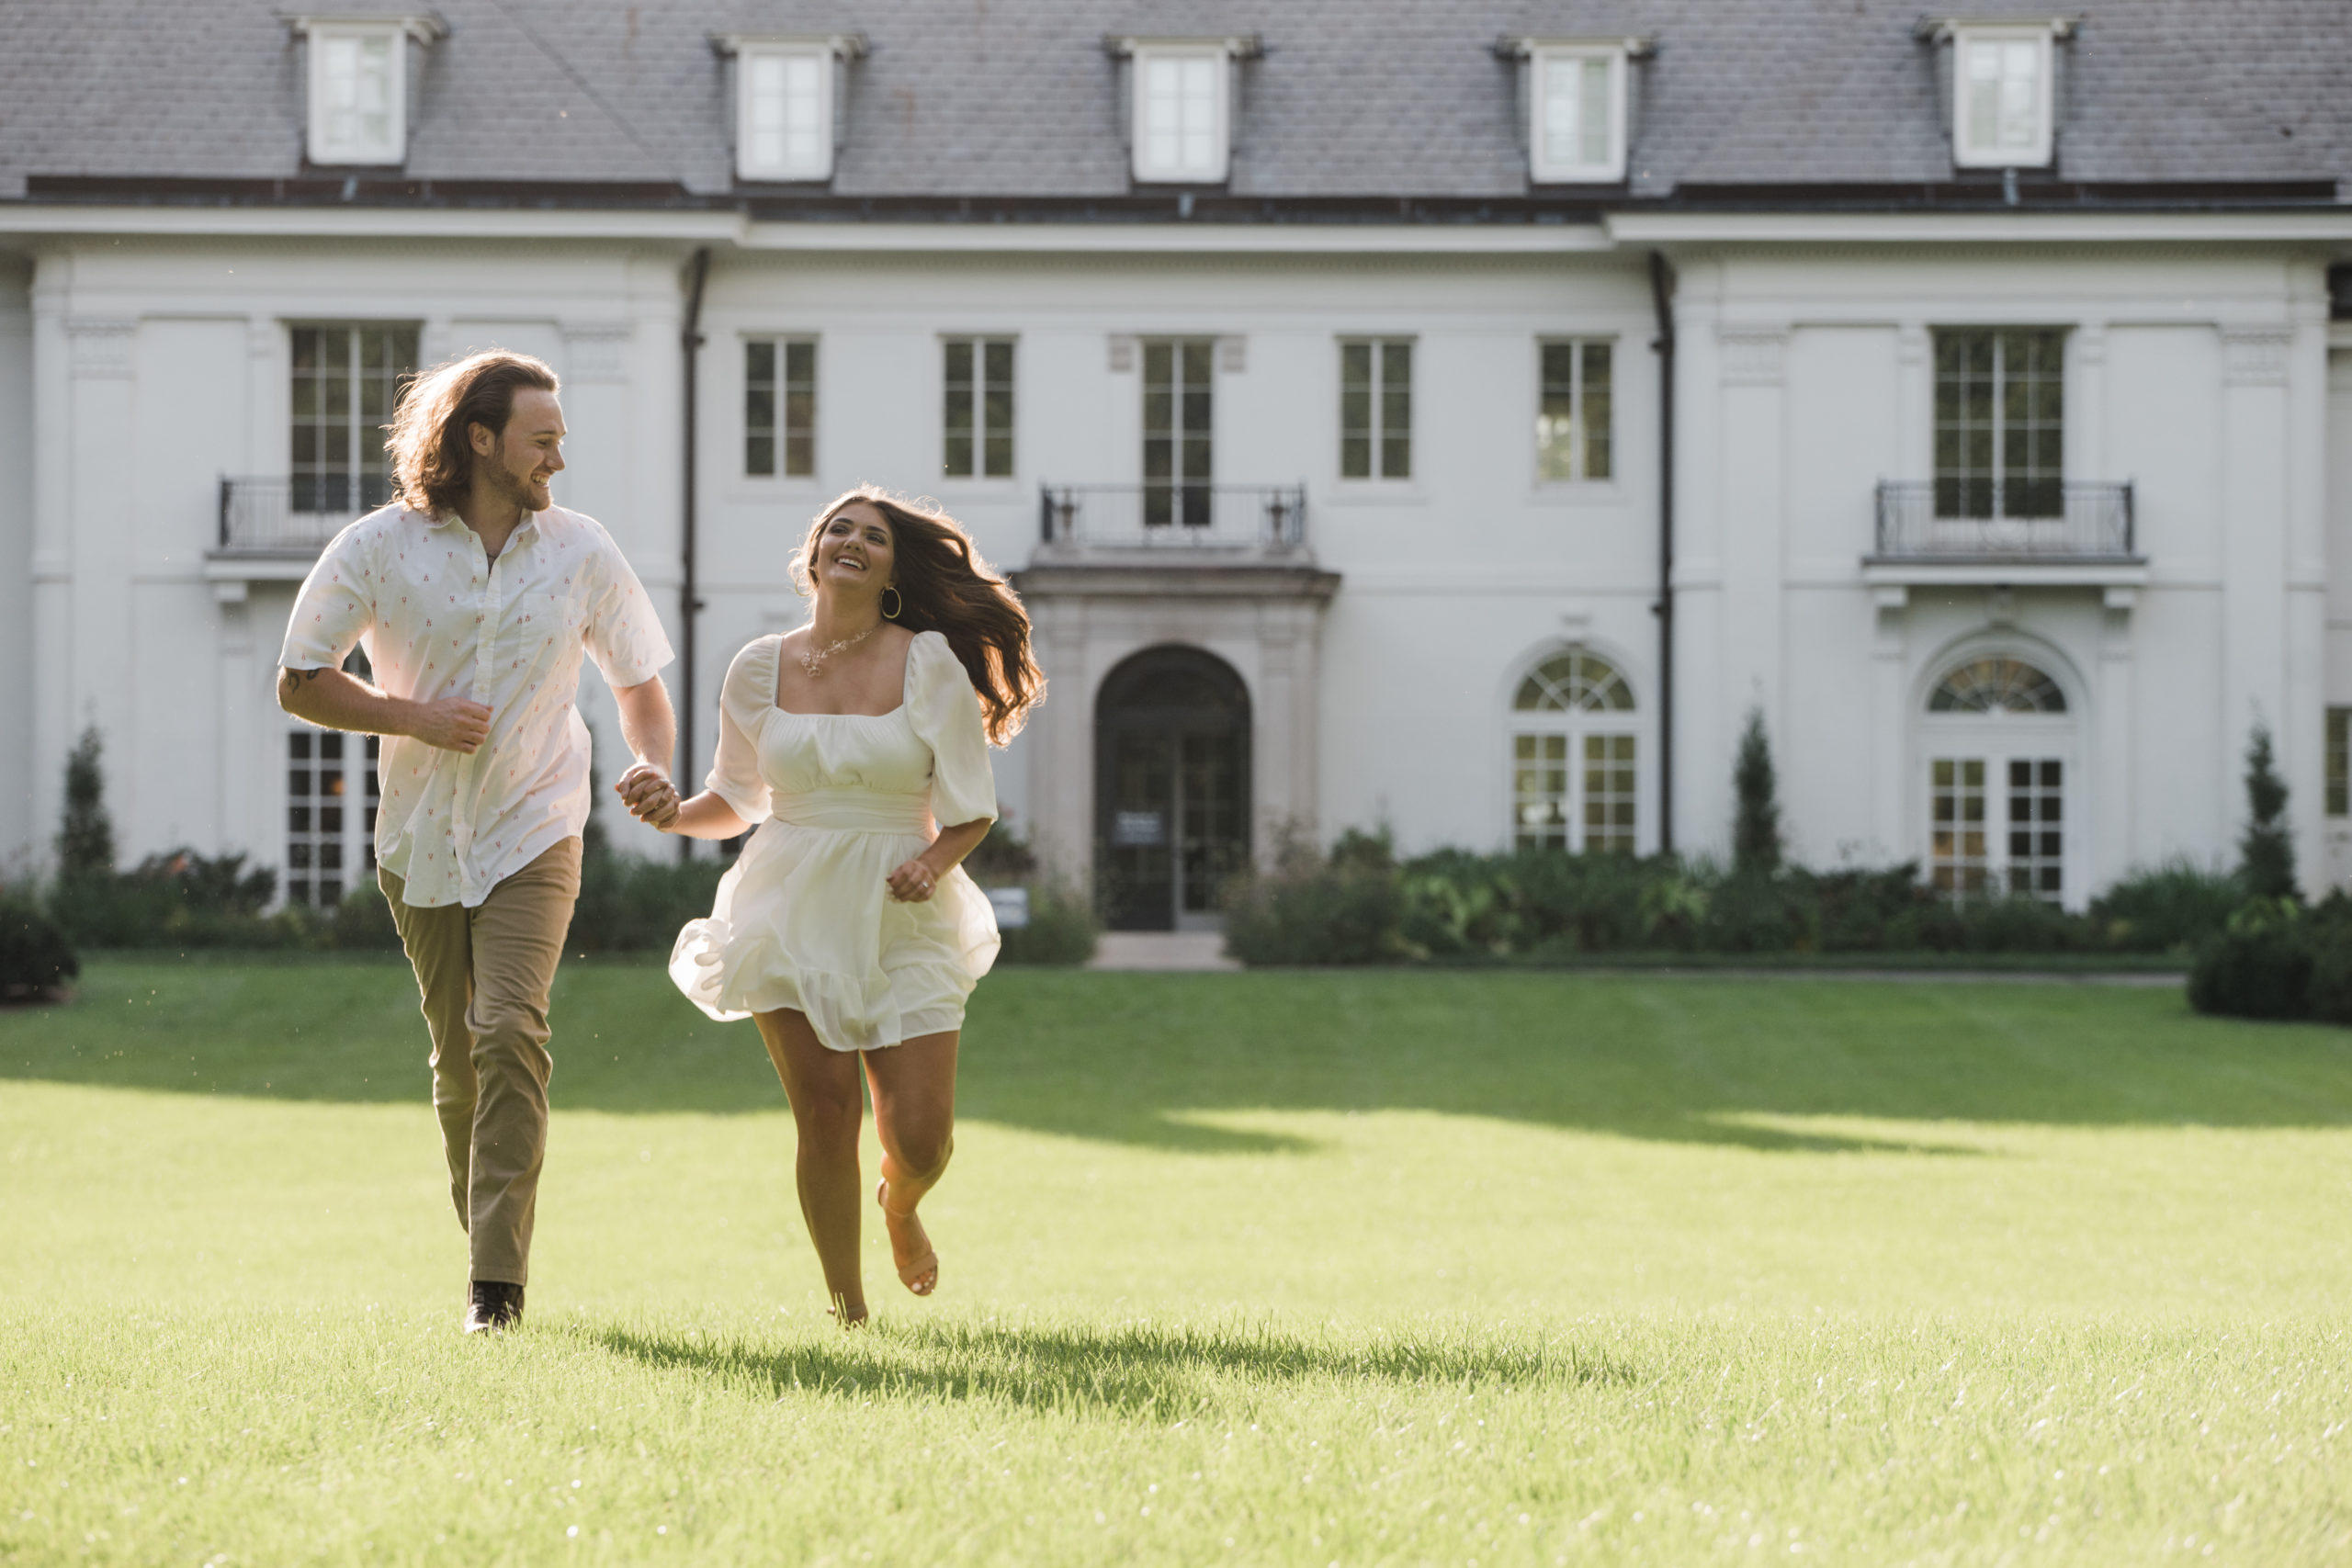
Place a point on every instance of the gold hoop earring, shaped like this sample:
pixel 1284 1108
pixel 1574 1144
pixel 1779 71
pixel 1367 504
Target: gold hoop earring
pixel 892 589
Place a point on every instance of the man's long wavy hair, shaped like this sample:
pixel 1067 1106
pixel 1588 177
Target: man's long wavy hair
pixel 433 461
pixel 945 586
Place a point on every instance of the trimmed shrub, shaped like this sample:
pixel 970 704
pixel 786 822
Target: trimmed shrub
pixel 2331 947
pixel 2267 853
pixel 1756 823
pixel 2259 966
pixel 36 961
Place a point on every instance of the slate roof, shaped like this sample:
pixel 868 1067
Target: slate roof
pixel 1019 99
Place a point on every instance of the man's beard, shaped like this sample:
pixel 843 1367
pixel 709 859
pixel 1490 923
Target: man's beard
pixel 514 487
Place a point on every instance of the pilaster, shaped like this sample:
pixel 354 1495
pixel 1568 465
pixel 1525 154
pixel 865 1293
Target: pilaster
pixel 1753 510
pixel 2255 466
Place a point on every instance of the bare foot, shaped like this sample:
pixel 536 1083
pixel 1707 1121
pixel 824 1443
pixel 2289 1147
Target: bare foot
pixel 846 1315
pixel 911 1250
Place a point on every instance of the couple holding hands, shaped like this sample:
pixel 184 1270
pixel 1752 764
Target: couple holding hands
pixel 856 746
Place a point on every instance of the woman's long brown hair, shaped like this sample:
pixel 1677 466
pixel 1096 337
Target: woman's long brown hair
pixel 945 586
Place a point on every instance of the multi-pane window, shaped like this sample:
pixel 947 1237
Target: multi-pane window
pixel 2033 859
pixel 359 83
pixel 1180 115
pixel 1572 416
pixel 2000 422
pixel 2037 825
pixel 2339 762
pixel 331 796
pixel 346 382
pixel 977 419
pixel 1956 839
pixel 1377 410
pixel 780 407
pixel 1177 455
pixel 1573 773
pixel 2001 99
pixel 1578 130
pixel 785 112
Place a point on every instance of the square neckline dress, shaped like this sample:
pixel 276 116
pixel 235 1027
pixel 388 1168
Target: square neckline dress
pixel 804 919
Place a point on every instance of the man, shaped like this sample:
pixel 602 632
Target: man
pixel 476 596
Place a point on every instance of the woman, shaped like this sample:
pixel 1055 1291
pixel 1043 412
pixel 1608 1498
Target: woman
pixel 846 930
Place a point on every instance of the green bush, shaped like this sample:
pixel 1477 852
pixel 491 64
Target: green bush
pixel 36 960
pixel 2258 964
pixel 1061 929
pixel 627 905
pixel 179 899
pixel 1752 911
pixel 363 921
pixel 2329 932
pixel 2174 906
pixel 1313 909
pixel 1358 906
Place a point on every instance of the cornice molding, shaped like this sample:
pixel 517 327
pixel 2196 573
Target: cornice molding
pixel 101 346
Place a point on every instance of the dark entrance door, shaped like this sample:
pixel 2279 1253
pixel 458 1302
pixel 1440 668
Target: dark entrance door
pixel 1171 750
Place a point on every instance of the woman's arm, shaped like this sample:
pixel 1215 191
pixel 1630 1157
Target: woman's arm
pixel 914 882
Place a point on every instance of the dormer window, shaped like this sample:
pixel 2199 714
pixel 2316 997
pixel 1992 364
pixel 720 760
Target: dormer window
pixel 358 85
pixel 1181 96
pixel 1576 93
pixel 786 98
pixel 2003 102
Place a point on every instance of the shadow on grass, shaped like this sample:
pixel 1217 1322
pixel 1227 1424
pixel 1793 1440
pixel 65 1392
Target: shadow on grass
pixel 1135 1371
pixel 1198 1064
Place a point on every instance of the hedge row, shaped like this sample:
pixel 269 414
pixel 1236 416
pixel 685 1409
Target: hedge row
pixel 1359 905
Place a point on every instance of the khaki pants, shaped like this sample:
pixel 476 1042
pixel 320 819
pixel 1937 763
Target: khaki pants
pixel 484 975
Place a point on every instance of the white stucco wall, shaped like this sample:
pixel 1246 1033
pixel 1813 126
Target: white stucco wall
pixel 135 371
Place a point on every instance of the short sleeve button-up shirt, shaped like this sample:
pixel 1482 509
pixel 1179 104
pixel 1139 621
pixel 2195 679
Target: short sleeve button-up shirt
pixel 439 619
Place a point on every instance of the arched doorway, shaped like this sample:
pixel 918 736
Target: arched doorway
pixel 1172 788
pixel 1998 746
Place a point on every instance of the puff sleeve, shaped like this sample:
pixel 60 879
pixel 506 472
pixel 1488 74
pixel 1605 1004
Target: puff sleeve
pixel 947 716
pixel 746 694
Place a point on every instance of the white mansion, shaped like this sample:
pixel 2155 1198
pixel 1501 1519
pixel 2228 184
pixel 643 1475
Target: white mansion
pixel 1455 417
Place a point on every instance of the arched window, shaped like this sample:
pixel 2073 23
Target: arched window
pixel 1997 685
pixel 2000 745
pixel 1572 756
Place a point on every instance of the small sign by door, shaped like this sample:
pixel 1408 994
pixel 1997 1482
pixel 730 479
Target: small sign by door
pixel 1012 907
pixel 1139 830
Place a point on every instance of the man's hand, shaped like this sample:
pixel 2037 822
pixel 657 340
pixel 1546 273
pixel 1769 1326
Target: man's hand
pixel 452 724
pixel 650 795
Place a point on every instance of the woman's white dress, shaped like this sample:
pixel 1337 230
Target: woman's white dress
pixel 804 919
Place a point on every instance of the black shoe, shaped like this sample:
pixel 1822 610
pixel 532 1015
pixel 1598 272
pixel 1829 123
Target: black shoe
pixel 493 1306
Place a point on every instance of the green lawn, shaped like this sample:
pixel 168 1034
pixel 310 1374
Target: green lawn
pixel 1491 1269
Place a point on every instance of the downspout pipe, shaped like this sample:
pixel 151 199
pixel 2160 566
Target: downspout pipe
pixel 1662 302
pixel 689 601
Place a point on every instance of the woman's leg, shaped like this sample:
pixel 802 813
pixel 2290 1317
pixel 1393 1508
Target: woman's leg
pixel 826 1107
pixel 914 1116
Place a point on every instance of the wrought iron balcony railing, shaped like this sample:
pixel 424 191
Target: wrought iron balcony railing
pixel 1970 520
pixel 1173 515
pixel 270 516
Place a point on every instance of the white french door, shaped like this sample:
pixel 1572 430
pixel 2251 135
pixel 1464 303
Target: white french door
pixel 1999 809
